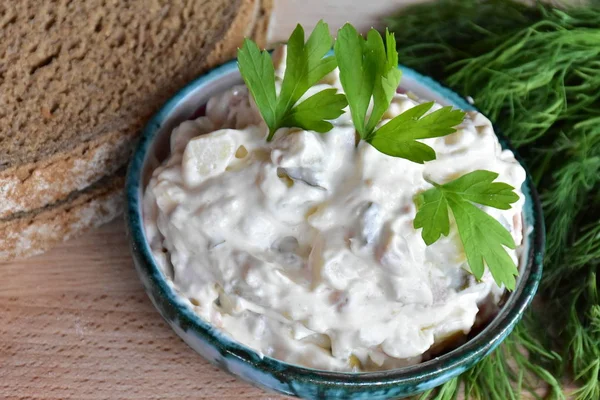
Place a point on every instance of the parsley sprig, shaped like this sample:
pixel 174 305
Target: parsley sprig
pixel 369 75
pixel 482 236
pixel 369 70
pixel 306 64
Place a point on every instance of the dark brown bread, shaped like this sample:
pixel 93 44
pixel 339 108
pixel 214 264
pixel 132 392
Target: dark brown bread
pixel 78 79
pixel 34 232
pixel 261 28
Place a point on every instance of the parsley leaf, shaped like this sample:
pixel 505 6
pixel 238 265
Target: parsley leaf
pixel 306 64
pixel 312 113
pixel 482 236
pixel 479 187
pixel 370 76
pixel 369 70
pixel 257 70
pixel 398 136
pixel 386 86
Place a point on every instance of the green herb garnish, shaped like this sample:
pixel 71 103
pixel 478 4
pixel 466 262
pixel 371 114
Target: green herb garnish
pixel 481 235
pixel 306 64
pixel 369 70
pixel 535 71
pixel 369 74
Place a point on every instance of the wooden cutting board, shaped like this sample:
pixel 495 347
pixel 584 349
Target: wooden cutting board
pixel 75 323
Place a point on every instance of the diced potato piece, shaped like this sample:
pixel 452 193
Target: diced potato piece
pixel 188 130
pixel 299 149
pixel 208 155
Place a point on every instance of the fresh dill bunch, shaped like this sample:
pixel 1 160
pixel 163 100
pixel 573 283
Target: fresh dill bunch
pixel 514 368
pixel 432 37
pixel 541 76
pixel 535 71
pixel 567 195
pixel 575 293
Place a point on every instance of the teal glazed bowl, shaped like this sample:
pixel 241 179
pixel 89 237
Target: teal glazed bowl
pixel 278 376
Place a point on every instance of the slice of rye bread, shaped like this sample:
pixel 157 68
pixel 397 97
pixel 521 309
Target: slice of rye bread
pixel 27 234
pixel 79 79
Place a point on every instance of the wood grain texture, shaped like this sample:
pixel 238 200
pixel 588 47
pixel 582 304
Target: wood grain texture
pixel 76 324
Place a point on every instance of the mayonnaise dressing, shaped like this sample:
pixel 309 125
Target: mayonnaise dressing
pixel 304 249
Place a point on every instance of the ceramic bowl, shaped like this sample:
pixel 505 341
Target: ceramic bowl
pixel 279 376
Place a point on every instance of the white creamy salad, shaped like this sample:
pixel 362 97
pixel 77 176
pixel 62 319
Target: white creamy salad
pixel 303 248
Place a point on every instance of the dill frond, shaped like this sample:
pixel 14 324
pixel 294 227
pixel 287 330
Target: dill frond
pixel 535 71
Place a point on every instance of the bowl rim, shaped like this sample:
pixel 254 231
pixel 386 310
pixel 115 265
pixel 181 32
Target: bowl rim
pixel 474 349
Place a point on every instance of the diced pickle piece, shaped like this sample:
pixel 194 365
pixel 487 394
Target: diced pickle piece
pixel 354 363
pixel 304 175
pixel 287 244
pixel 371 221
pixel 207 156
pixel 285 251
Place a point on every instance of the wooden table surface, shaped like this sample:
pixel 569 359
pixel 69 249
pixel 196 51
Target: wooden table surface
pixel 75 323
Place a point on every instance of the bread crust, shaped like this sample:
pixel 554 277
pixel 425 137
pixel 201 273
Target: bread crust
pixel 261 30
pixel 31 186
pixel 35 232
